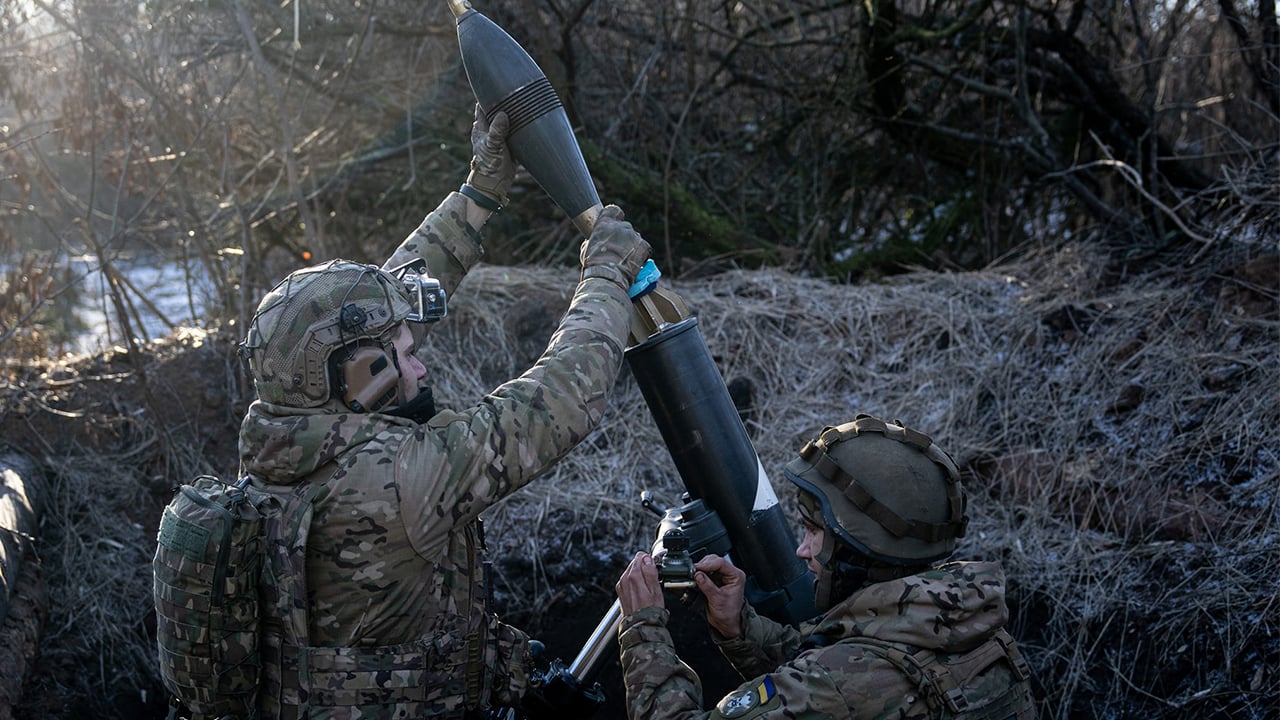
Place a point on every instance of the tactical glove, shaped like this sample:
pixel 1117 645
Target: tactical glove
pixel 492 167
pixel 615 251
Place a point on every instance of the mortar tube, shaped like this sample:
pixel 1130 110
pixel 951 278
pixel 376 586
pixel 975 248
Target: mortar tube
pixel 717 462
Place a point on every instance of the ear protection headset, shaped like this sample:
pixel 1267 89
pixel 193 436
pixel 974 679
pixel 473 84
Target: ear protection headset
pixel 368 376
pixel 365 371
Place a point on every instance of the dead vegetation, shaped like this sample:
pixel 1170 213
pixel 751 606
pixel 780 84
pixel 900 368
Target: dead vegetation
pixel 1119 441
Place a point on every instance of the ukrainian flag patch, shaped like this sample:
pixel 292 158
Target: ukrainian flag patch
pixel 766 689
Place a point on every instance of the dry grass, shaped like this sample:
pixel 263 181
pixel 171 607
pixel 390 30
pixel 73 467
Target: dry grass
pixel 1120 446
pixel 1119 443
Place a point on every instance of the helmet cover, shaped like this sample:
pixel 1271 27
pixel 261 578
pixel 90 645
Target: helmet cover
pixel 312 313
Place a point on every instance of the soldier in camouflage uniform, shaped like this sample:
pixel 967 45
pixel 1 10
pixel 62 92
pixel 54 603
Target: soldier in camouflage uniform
pixel 902 635
pixel 397 624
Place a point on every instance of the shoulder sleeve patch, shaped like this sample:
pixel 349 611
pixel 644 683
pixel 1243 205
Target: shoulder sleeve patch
pixel 743 700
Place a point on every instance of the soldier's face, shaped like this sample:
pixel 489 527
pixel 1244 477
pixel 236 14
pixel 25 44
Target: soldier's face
pixel 411 368
pixel 810 545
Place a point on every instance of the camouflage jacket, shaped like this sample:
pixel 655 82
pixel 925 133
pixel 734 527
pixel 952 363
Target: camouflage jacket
pixel 834 666
pixel 397 619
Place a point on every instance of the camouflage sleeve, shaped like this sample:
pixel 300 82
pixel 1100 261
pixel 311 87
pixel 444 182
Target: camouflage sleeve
pixel 800 689
pixel 445 241
pixel 462 462
pixel 763 645
pixel 661 687
pixel 658 683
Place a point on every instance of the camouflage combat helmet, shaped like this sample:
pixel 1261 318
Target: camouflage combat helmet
pixel 319 309
pixel 886 491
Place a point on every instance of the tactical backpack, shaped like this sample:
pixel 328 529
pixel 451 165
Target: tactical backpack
pixel 232 621
pixel 959 687
pixel 206 571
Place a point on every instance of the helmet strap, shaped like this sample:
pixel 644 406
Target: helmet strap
pixel 840 575
pixel 816 453
pixel 845 571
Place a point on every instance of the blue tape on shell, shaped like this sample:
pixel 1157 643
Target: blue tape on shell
pixel 646 280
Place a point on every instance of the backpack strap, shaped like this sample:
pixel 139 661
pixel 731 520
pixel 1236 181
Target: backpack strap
pixel 949 677
pixel 287 554
pixel 943 681
pixel 1017 663
pixel 479 681
pixel 286 621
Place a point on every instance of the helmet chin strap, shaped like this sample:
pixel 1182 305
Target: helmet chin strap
pixel 420 409
pixel 839 577
pixel 845 571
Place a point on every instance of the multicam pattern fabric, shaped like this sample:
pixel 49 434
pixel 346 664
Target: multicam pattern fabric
pixel 397 619
pixel 205 589
pixel 298 324
pixel 833 667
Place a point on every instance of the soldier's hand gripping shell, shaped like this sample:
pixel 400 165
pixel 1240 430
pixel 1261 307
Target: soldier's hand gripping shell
pixel 614 251
pixel 493 169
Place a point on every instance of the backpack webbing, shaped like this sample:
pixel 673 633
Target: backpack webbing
pixel 943 681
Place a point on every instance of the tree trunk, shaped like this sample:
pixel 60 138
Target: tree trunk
pixel 23 602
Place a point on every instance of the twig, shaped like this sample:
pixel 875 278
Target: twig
pixel 1134 179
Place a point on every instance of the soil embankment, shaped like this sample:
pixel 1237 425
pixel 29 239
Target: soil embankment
pixel 1118 442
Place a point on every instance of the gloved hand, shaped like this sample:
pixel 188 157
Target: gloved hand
pixel 615 251
pixel 492 167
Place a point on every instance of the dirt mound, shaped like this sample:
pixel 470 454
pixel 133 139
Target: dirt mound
pixel 1119 443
